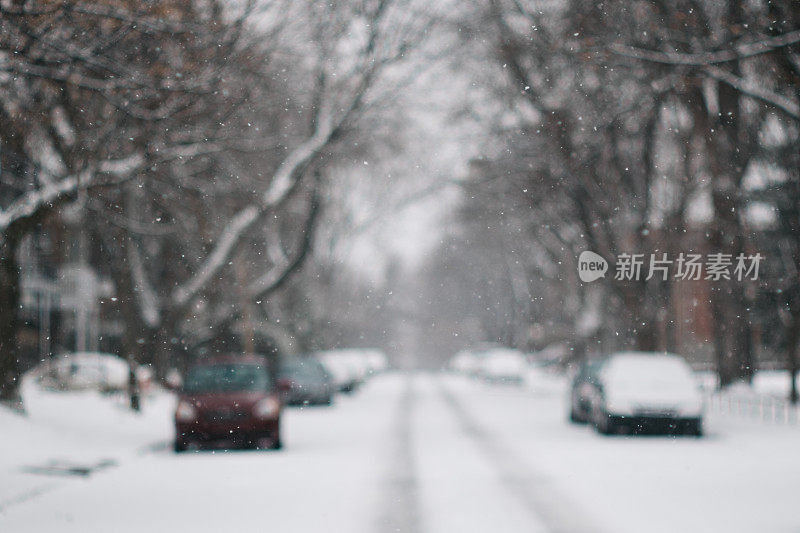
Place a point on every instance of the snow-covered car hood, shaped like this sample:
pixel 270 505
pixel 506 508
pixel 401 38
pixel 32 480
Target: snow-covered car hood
pixel 664 400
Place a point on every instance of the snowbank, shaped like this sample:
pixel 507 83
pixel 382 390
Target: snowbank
pixel 68 432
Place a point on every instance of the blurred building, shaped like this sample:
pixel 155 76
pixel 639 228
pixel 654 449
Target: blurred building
pixel 63 300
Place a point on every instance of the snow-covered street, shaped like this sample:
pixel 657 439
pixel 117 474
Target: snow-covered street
pixel 410 452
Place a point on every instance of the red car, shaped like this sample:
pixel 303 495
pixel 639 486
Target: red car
pixel 230 401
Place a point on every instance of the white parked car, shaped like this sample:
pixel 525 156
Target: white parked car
pixel 85 370
pixel 463 362
pixel 642 390
pixel 347 371
pixel 503 365
pixel 376 361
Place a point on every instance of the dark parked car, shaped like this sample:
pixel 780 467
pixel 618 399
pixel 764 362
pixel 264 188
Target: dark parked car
pixel 582 390
pixel 229 400
pixel 307 382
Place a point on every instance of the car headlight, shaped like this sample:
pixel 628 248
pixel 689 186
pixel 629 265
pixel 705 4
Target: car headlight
pixel 185 412
pixel 267 408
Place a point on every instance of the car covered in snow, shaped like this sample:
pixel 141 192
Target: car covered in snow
pixel 228 401
pixel 503 365
pixel 464 362
pixel 346 367
pixel 470 361
pixel 87 371
pixel 641 391
pixel 306 382
pixel 376 361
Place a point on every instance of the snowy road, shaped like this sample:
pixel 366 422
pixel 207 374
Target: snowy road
pixel 434 453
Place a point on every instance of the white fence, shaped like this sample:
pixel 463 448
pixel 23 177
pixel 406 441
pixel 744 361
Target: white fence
pixel 754 406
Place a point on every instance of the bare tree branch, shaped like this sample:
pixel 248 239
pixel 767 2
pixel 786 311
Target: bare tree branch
pixel 327 125
pixel 281 185
pixel 279 274
pixel 736 52
pixel 145 294
pixel 53 191
pixel 755 90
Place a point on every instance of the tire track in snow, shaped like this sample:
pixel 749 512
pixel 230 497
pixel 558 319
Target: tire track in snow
pixel 535 491
pixel 401 508
pixel 28 495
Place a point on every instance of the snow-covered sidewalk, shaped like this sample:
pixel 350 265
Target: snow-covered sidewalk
pixel 64 436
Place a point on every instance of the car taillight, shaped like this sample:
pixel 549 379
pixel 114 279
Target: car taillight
pixel 267 408
pixel 185 412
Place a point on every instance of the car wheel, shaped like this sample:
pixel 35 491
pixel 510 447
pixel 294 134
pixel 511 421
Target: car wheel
pixel 179 446
pixel 694 428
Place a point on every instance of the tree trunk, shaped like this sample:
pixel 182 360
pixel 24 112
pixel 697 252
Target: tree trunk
pixel 792 363
pixel 730 150
pixel 641 308
pixel 647 336
pixel 10 296
pixel 159 347
pixel 9 322
pixel 732 328
pixel 133 330
pixel 134 393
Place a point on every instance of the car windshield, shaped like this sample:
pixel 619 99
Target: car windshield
pixel 303 369
pixel 644 373
pixel 228 377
